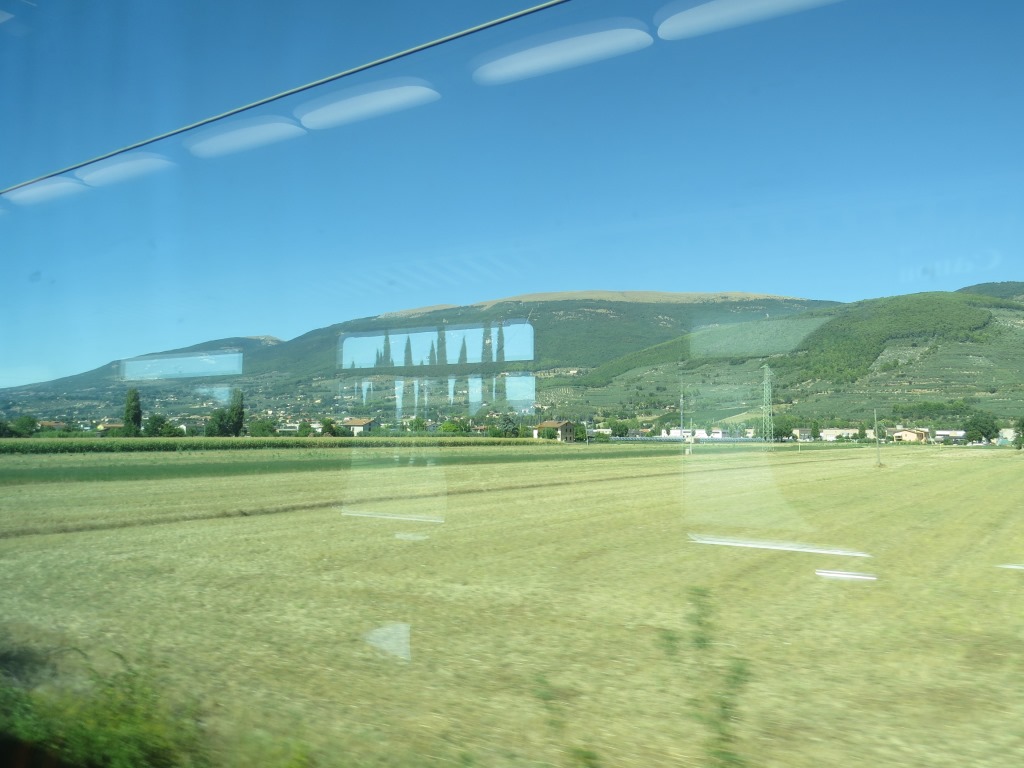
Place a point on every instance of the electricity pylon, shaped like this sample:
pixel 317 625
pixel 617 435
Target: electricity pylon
pixel 767 422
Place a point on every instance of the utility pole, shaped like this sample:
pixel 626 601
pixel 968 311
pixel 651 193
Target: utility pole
pixel 681 425
pixel 878 445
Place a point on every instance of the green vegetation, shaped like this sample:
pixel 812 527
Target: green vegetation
pixel 115 719
pixel 718 685
pixel 157 425
pixel 228 422
pixel 981 426
pixel 132 414
pixel 1004 290
pixel 25 425
pixel 843 349
pixel 262 428
pixel 928 411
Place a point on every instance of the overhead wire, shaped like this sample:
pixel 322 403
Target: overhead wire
pixel 292 91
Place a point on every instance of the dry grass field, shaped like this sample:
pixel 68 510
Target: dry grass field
pixel 558 609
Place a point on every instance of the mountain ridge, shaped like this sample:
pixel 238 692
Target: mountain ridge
pixel 591 344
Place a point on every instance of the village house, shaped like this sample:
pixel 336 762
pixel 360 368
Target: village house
pixel 361 426
pixel 566 430
pixel 908 435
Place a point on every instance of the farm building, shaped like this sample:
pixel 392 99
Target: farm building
pixel 565 430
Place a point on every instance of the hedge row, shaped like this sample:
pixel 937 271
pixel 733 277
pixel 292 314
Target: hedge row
pixel 136 444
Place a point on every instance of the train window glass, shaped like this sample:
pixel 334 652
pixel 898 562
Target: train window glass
pixel 579 383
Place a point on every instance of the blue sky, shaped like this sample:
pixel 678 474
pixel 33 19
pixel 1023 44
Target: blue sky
pixel 831 150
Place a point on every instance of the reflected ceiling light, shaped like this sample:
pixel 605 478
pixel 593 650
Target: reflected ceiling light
pixel 355 104
pixel 5 16
pixel 122 168
pixel 846 575
pixel 681 20
pixel 785 546
pixel 563 49
pixel 1012 566
pixel 393 516
pixel 242 134
pixel 45 190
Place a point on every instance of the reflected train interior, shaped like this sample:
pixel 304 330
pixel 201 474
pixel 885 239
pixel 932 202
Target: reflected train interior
pixel 372 373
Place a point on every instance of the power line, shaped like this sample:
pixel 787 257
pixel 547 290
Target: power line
pixel 292 91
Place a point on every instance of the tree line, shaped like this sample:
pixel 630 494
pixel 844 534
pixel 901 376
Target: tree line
pixel 223 422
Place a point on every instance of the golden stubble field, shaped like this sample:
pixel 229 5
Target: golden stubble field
pixel 531 606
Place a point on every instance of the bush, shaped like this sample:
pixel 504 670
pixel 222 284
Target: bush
pixel 118 720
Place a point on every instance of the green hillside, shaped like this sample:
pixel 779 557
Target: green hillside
pixel 843 349
pixel 1004 290
pixel 637 355
pixel 754 338
pixel 836 364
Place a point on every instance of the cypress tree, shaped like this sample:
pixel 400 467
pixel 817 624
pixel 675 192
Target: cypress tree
pixel 485 353
pixel 442 347
pixel 236 413
pixel 132 413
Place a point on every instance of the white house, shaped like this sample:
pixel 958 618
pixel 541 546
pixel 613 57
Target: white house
pixel 360 426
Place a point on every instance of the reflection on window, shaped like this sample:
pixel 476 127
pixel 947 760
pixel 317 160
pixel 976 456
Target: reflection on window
pixel 504 341
pixel 225 363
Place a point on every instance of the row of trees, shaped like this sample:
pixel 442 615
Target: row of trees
pixel 223 422
pixel 228 422
pixel 23 426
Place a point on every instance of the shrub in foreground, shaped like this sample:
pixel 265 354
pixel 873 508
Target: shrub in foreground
pixel 115 720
